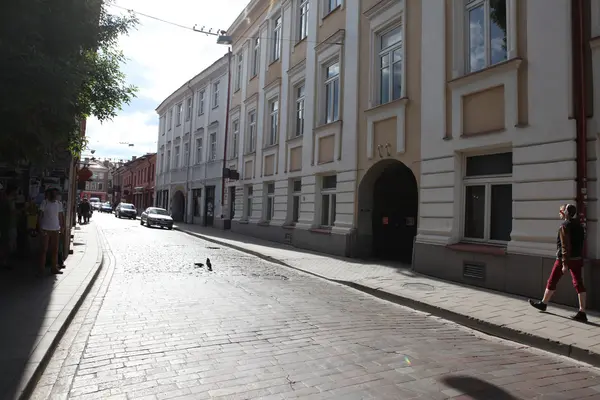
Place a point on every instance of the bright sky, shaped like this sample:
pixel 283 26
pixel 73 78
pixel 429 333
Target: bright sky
pixel 162 57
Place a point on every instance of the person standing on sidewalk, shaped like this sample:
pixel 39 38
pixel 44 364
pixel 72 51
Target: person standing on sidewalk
pixel 51 224
pixel 569 257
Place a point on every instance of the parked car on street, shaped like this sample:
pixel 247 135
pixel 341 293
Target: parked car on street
pixel 125 210
pixel 154 216
pixel 106 207
pixel 95 203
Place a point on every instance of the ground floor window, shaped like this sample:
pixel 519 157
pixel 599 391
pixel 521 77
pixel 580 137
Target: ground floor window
pixel 488 198
pixel 328 199
pixel 270 199
pixel 296 192
pixel 196 198
pixel 249 192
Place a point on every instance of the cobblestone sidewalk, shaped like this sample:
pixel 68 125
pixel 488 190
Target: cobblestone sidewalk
pixel 495 313
pixel 35 311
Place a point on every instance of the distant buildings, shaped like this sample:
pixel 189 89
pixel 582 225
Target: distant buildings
pixel 134 182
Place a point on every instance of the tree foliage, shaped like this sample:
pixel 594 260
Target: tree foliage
pixel 59 64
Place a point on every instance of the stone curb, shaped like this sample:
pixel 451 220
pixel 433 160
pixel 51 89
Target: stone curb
pixel 42 354
pixel 501 331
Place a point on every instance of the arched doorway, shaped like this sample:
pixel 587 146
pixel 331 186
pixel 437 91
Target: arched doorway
pixel 178 207
pixel 388 201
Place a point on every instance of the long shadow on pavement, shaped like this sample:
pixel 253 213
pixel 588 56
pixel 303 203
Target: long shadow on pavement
pixel 477 389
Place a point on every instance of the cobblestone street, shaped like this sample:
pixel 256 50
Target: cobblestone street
pixel 156 326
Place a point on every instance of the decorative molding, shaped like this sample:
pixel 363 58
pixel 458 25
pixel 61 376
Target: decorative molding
pixel 251 99
pixel 236 110
pixel 275 84
pixel 380 113
pixel 381 7
pixel 333 40
pixel 297 68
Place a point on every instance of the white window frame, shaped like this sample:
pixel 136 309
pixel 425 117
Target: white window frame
pixel 169 166
pixel 277 32
pixel 273 132
pixel 212 139
pixel 201 95
pixel 331 194
pixel 303 10
pixel 487 181
pixel 249 196
pixel 468 6
pixel 251 133
pixel 170 119
pixel 330 6
pixel 389 53
pixel 186 154
pixel 327 83
pixel 179 113
pixel 269 201
pixel 161 165
pixel 300 108
pixel 256 57
pixel 188 111
pixel 199 149
pixel 296 196
pixel 238 72
pixel 235 138
pixel 177 154
pixel 215 99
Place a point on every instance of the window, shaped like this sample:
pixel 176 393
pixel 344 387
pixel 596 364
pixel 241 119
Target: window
pixel 186 154
pixel 170 118
pixel 328 187
pixel 199 150
pixel 331 5
pixel 276 52
pixel 169 159
pixel 485 32
pixel 249 195
pixel 99 185
pixel 161 166
pixel 273 121
pixel 188 111
pixel 488 198
pixel 296 192
pixel 251 131
pixel 303 20
pixel 176 157
pixel 299 126
pixel 256 57
pixel 332 93
pixel 216 94
pixel 270 189
pixel 238 72
pixel 179 112
pixel 213 146
pixel 163 124
pixel 201 102
pixel 390 65
pixel 196 198
pixel 236 135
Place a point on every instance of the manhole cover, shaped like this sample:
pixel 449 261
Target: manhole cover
pixel 419 286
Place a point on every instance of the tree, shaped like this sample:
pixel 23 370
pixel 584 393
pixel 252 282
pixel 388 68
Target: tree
pixel 60 64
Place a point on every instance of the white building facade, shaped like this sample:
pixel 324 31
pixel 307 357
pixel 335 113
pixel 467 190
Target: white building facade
pixel 190 147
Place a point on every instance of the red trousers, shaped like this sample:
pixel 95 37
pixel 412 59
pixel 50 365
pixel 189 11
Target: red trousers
pixel 576 269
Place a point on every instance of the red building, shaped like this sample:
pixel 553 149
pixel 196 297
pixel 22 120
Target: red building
pixel 135 181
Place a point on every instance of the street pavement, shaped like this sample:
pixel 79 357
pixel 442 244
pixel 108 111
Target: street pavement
pixel 156 326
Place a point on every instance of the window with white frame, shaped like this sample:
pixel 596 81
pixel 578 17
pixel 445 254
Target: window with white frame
pixel 331 5
pixel 303 19
pixel 488 198
pixel 300 110
pixel 249 195
pixel 170 118
pixel 179 113
pixel 186 154
pixel 163 124
pixel 235 138
pixel 332 92
pixel 270 200
pixel 273 121
pixel 199 150
pixel 238 71
pixel 161 165
pixel 276 51
pixel 251 131
pixel 188 109
pixel 328 190
pixel 176 165
pixel 256 57
pixel 296 193
pixel 485 31
pixel 168 160
pixel 216 94
pixel 390 65
pixel 201 102
pixel 213 146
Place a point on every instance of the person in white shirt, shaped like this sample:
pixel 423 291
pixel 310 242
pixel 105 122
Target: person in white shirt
pixel 51 223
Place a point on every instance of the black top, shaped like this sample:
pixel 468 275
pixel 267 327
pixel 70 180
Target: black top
pixel 575 235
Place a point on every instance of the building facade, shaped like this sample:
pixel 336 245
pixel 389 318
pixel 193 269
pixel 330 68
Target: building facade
pixel 502 98
pixel 191 148
pixel 97 186
pixel 134 182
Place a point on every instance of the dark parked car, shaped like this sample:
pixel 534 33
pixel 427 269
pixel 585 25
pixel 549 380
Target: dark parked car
pixel 154 216
pixel 106 208
pixel 126 210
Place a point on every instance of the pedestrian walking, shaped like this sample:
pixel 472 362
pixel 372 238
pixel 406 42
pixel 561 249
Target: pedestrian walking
pixel 51 224
pixel 569 257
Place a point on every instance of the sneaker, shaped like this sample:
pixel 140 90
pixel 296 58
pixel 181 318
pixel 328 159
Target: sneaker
pixel 539 305
pixel 580 316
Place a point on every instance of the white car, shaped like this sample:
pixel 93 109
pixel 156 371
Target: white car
pixel 154 216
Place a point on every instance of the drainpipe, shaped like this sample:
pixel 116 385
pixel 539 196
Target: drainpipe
pixel 580 95
pixel 226 132
pixel 189 156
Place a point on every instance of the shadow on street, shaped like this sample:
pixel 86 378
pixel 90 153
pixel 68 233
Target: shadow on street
pixel 476 388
